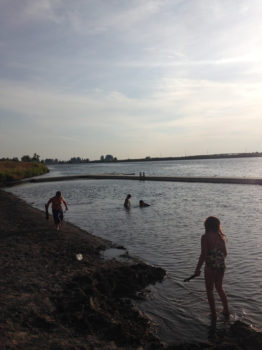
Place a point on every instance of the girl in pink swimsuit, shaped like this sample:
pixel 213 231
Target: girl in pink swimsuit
pixel 213 253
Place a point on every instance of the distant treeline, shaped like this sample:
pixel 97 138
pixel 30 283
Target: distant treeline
pixel 77 160
pixel 109 158
pixel 201 156
pixel 74 160
pixel 26 158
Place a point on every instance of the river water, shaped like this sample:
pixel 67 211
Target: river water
pixel 167 233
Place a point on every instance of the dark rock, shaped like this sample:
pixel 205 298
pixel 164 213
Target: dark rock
pixel 126 280
pixel 246 337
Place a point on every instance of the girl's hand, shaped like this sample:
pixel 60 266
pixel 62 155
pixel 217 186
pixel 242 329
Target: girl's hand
pixel 197 273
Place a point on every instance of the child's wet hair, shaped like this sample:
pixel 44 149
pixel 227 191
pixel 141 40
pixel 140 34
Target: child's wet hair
pixel 212 223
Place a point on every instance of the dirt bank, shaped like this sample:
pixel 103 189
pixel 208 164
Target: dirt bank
pixel 50 300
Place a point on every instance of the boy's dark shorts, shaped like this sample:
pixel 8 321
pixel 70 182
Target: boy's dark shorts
pixel 58 216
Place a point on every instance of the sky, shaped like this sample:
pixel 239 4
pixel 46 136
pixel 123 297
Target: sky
pixel 130 78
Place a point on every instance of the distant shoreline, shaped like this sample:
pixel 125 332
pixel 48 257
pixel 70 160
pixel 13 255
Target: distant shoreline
pixel 155 159
pixel 211 156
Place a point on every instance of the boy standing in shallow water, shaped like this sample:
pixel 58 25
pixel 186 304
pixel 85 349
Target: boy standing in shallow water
pixel 213 253
pixel 57 202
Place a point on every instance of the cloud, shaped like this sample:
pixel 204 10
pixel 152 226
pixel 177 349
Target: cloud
pixel 170 73
pixel 89 17
pixel 42 10
pixel 183 103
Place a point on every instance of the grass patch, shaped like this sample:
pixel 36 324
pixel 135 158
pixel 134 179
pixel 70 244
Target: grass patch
pixel 14 170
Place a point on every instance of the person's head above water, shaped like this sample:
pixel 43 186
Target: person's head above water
pixel 129 196
pixel 143 204
pixel 58 194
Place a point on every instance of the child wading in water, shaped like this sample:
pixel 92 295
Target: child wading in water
pixel 213 253
pixel 57 202
pixel 127 203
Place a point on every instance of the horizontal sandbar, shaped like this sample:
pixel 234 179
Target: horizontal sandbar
pixel 224 180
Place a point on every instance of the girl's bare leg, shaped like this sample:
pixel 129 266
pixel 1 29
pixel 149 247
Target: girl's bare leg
pixel 209 281
pixel 221 292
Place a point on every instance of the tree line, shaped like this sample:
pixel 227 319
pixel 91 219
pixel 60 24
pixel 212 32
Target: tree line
pixel 110 158
pixel 25 158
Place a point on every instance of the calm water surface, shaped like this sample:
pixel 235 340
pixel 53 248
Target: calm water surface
pixel 239 167
pixel 167 233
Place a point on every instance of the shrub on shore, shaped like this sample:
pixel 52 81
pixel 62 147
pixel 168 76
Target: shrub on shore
pixel 11 170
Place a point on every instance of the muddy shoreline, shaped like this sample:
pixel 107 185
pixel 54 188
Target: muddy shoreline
pixel 51 300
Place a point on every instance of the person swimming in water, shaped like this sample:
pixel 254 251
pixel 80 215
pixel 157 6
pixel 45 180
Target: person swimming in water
pixel 142 204
pixel 127 203
pixel 57 210
pixel 213 253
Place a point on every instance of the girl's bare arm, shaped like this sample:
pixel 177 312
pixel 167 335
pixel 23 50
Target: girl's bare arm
pixel 202 256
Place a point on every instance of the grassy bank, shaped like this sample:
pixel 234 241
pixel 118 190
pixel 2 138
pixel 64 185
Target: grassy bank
pixel 15 170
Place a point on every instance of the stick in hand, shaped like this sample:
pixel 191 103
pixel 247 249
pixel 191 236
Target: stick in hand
pixel 46 212
pixel 189 278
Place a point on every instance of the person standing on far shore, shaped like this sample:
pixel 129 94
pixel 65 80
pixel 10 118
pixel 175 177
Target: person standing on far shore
pixel 127 201
pixel 213 253
pixel 57 209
